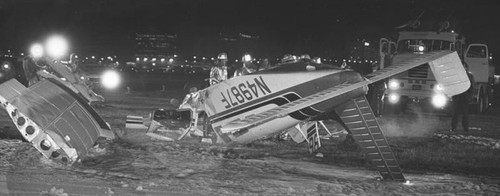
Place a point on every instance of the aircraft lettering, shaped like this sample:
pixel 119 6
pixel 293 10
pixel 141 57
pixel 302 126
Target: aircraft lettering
pixel 237 94
pixel 262 85
pixel 244 92
pixel 253 88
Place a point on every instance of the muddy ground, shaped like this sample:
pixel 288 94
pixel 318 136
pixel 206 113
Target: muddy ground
pixel 134 164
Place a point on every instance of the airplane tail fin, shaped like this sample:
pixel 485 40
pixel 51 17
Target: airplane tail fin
pixel 53 118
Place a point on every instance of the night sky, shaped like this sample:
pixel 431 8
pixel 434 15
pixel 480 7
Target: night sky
pixel 293 26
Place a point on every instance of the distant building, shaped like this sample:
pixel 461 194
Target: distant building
pixel 364 51
pixel 153 50
pixel 238 44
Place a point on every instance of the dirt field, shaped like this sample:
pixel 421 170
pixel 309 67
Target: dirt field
pixel 136 165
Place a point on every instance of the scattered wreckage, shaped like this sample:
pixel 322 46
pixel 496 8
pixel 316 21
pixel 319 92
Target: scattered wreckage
pixel 49 104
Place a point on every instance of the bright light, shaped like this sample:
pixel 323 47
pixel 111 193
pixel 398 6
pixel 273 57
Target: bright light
pixel 247 58
pixel 145 59
pixel 93 57
pixel 439 100
pixel 110 79
pixel 56 46
pixel 421 48
pixel 393 84
pixel 162 59
pixel 175 56
pixel 438 88
pixel 170 60
pixel 36 50
pixel 137 59
pixel 154 59
pixel 6 66
pixel 317 60
pixel 393 98
pixel 367 43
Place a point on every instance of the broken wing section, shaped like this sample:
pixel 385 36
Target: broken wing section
pixel 161 124
pixel 55 120
pixel 450 74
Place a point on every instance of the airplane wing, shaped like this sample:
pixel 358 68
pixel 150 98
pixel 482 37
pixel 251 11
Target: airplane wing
pixel 404 65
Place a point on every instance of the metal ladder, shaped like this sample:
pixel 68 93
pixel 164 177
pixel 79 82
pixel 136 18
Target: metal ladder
pixel 359 119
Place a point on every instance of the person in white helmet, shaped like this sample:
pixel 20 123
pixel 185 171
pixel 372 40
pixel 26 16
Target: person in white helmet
pixel 246 68
pixel 218 73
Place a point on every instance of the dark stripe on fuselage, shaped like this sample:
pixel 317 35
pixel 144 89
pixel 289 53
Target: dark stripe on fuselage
pixel 277 100
pixel 262 101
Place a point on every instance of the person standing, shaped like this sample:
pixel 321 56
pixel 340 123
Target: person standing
pixel 218 73
pixel 461 105
pixel 247 66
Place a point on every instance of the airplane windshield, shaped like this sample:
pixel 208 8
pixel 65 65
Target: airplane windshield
pixel 423 45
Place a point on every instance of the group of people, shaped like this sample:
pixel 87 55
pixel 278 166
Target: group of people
pixel 219 73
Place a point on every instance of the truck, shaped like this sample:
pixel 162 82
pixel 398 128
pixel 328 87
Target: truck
pixel 418 85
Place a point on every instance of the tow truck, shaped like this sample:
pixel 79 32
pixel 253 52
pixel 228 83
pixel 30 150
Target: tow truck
pixel 418 85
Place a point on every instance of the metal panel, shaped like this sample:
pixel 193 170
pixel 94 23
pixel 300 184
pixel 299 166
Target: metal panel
pixel 53 118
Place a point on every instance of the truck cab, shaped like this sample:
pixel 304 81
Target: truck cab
pixel 418 86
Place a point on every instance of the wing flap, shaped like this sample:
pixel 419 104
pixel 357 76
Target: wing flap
pixel 284 110
pixel 450 74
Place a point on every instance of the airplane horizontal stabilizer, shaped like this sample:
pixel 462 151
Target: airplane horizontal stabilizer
pixel 284 110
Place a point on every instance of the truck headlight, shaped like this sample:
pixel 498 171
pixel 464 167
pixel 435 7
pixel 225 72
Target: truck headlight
pixel 439 100
pixel 438 88
pixel 110 79
pixel 393 98
pixel 421 48
pixel 393 84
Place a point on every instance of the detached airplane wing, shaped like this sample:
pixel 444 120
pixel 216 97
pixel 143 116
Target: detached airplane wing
pixel 445 65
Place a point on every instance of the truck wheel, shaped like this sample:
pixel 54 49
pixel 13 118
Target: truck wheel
pixel 486 103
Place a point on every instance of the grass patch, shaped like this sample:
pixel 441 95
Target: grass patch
pixel 433 155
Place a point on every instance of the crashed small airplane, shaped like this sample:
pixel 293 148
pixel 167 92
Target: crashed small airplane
pixel 262 104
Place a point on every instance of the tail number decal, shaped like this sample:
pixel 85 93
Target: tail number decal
pixel 244 92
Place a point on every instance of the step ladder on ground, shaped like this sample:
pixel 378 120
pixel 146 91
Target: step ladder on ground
pixel 361 122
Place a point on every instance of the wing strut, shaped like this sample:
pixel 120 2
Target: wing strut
pixel 359 119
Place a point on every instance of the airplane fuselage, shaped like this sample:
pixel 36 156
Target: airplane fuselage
pixel 252 94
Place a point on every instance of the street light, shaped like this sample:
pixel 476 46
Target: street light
pixel 56 46
pixel 36 50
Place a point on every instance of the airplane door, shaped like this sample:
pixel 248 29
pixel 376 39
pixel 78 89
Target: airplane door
pixel 476 56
